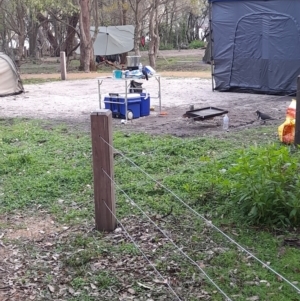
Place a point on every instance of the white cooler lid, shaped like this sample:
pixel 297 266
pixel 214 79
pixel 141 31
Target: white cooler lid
pixel 129 95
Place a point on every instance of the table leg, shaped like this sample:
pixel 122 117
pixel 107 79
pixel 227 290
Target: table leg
pixel 99 92
pixel 126 105
pixel 159 92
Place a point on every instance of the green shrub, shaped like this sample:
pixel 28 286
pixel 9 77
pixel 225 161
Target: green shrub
pixel 265 186
pixel 196 44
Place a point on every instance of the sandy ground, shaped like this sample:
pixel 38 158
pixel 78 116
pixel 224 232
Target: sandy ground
pixel 74 100
pixel 95 75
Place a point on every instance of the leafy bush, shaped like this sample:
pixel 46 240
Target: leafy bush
pixel 266 186
pixel 196 44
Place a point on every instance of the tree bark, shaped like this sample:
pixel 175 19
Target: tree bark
pixel 154 33
pixel 124 22
pixel 151 51
pixel 71 32
pixel 21 13
pixel 44 22
pixel 137 28
pixel 85 36
pixel 32 33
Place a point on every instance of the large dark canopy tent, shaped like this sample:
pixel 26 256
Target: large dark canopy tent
pixel 255 45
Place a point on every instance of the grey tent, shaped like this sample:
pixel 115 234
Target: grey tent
pixel 10 81
pixel 112 40
pixel 255 45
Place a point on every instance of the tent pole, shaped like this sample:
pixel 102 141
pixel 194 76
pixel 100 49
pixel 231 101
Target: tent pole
pixel 211 48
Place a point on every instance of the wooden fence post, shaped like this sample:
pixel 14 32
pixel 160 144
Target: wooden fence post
pixel 63 66
pixel 104 193
pixel 297 125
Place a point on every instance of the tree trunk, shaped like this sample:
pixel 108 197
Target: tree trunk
pixel 153 33
pixel 151 51
pixel 85 36
pixel 124 22
pixel 21 14
pixel 207 55
pixel 137 29
pixel 156 28
pixel 71 32
pixel 32 33
pixel 44 22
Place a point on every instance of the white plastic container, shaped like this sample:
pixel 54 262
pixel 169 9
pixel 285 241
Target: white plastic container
pixel 140 67
pixel 150 70
pixel 225 123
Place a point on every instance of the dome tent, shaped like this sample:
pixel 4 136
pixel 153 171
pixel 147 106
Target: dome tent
pixel 10 81
pixel 255 45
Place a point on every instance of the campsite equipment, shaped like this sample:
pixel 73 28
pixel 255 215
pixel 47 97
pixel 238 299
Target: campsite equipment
pixel 117 74
pixel 150 71
pixel 135 87
pixel 10 81
pixel 204 113
pixel 270 62
pixel 133 62
pixel 112 39
pixel 145 104
pixel 286 131
pixel 116 103
pixel 291 110
pixel 225 122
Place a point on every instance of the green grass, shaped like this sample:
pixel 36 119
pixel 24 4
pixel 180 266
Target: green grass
pixel 48 166
pixel 35 81
pixel 180 63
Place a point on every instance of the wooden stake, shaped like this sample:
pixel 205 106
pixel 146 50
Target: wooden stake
pixel 104 194
pixel 297 125
pixel 63 66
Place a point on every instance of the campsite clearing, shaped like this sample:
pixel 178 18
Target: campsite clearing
pixel 72 101
pixel 51 250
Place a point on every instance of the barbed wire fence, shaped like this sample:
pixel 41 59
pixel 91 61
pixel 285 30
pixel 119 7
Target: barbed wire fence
pixel 103 168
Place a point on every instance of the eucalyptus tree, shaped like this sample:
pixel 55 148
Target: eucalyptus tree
pixel 59 19
pixel 140 10
pixel 13 23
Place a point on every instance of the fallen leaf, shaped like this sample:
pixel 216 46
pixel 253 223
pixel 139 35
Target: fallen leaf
pixel 71 291
pixel 93 286
pixel 131 291
pixel 254 298
pixel 51 288
pixel 144 286
pixel 160 282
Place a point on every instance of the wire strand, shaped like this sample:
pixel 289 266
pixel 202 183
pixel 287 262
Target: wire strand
pixel 172 242
pixel 205 219
pixel 143 254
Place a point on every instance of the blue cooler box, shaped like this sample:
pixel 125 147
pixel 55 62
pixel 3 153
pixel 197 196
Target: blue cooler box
pixel 118 105
pixel 145 104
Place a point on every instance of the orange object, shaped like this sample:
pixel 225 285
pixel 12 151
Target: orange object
pixel 163 113
pixel 291 110
pixel 286 131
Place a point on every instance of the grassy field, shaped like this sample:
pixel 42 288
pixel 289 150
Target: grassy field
pixel 46 179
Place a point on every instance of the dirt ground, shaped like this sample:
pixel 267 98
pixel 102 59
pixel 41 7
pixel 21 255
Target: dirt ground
pixel 73 100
